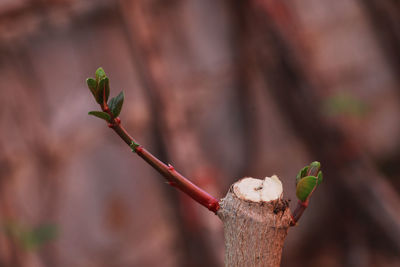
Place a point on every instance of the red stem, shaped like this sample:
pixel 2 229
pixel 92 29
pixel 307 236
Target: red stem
pixel 174 178
pixel 300 208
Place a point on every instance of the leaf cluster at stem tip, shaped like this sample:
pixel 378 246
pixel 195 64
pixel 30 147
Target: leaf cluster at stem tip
pixel 307 180
pixel 100 88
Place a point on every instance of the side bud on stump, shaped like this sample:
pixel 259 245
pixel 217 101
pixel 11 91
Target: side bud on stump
pixel 256 221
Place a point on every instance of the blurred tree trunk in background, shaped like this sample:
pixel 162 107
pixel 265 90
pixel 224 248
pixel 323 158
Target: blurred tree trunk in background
pixel 172 106
pixel 280 54
pixel 385 18
pixel 219 89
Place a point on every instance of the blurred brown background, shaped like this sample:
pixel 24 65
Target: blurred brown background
pixel 219 89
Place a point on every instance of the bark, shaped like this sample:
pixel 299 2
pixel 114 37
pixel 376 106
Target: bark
pixel 254 231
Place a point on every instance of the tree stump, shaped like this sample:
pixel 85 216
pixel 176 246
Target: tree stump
pixel 254 229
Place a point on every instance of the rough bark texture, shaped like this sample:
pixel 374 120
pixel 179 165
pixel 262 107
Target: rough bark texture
pixel 254 231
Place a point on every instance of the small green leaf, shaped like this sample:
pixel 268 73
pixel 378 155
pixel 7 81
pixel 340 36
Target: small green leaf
pixel 100 74
pixel 107 88
pixel 111 103
pixel 103 85
pixel 92 85
pixel 305 187
pixel 116 104
pixel 320 177
pixel 314 168
pixel 302 173
pixel 101 115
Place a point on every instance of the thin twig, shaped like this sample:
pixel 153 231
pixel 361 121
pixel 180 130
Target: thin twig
pixel 174 178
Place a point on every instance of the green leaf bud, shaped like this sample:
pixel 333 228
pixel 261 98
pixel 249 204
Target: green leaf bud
pixel 100 114
pixel 302 173
pixel 305 187
pixel 92 84
pixel 314 168
pixel 103 85
pixel 100 74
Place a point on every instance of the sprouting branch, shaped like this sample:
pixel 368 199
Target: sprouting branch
pixel 307 181
pixel 110 112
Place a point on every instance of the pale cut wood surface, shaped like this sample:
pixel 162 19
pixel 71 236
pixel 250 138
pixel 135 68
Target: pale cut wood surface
pixel 254 231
